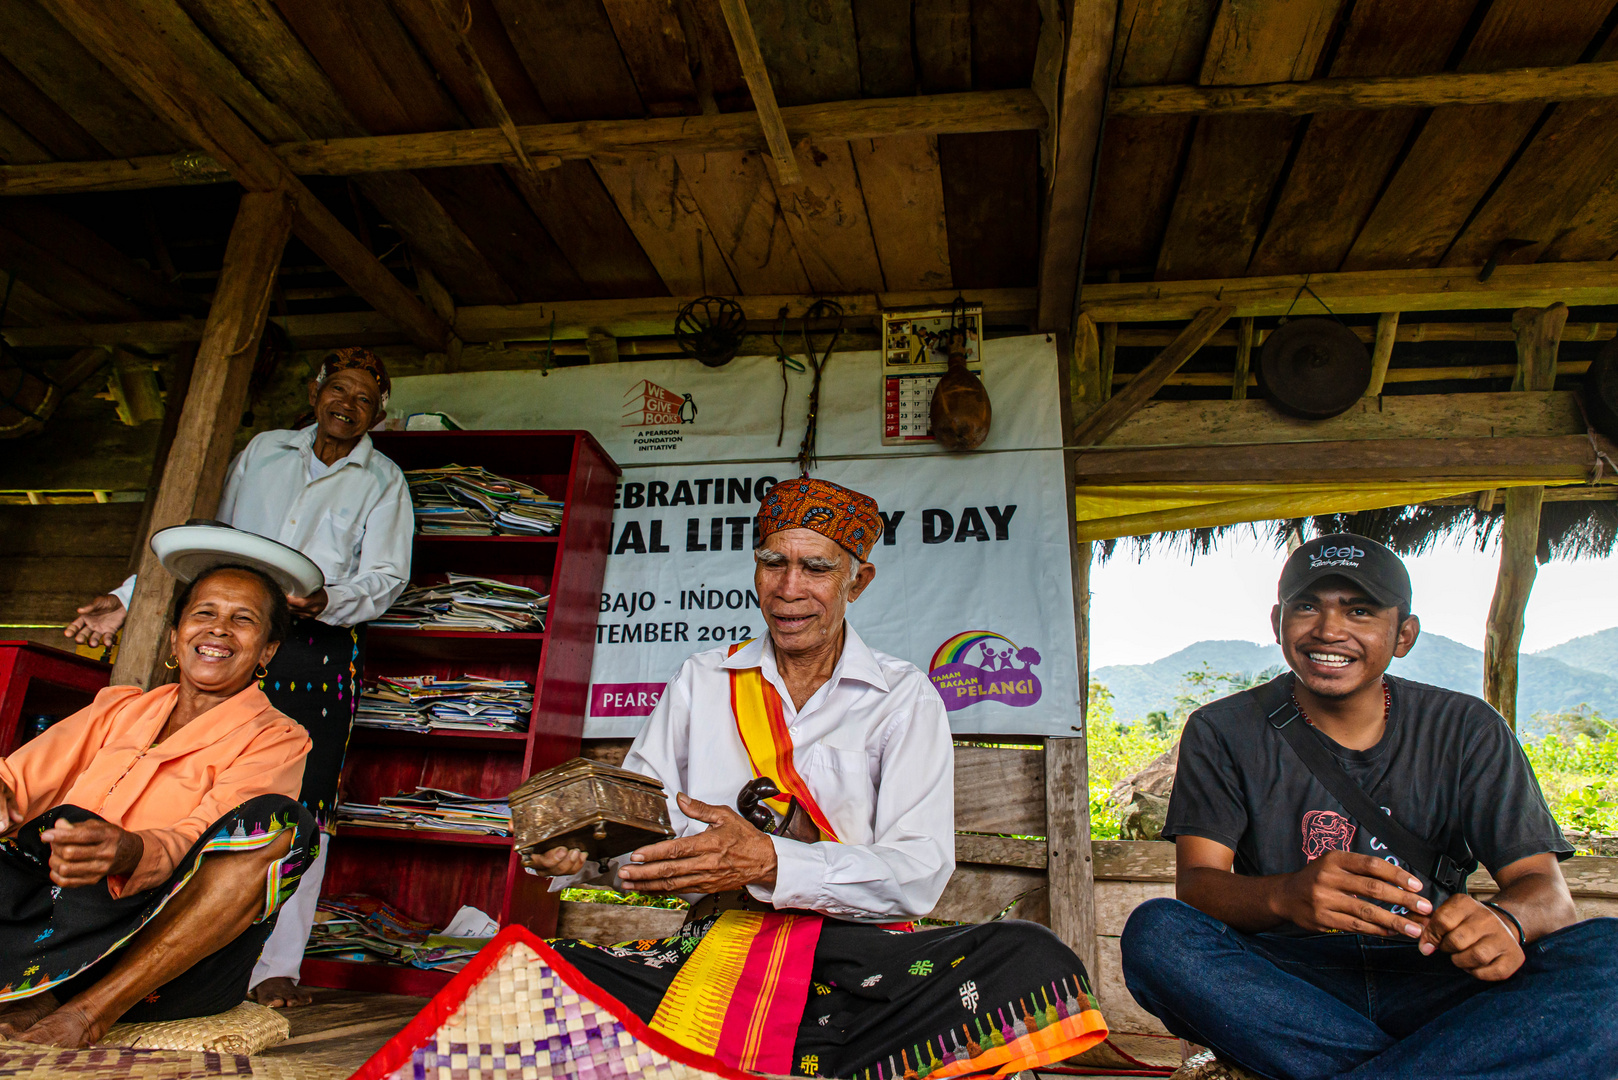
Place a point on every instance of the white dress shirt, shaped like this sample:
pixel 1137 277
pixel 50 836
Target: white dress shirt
pixel 352 518
pixel 873 745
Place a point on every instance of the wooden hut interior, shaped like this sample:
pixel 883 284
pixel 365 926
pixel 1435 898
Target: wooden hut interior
pixel 198 198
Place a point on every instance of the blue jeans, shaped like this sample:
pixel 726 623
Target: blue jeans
pixel 1370 1008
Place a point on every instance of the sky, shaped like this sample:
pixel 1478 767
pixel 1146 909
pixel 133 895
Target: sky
pixel 1140 612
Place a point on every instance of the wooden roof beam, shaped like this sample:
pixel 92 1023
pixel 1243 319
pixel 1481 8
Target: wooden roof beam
pixel 610 140
pixel 1358 292
pixel 1121 406
pixel 758 84
pixel 1571 83
pixel 122 40
pixel 1073 140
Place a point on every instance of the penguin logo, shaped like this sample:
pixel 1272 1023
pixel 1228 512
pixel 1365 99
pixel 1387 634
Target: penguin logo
pixel 688 411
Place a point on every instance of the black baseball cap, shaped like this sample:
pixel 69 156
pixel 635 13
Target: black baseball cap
pixel 1348 555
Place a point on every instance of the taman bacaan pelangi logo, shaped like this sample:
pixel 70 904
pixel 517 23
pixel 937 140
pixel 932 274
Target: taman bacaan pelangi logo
pixel 650 405
pixel 980 665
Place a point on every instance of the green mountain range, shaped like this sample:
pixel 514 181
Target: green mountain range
pixel 1577 672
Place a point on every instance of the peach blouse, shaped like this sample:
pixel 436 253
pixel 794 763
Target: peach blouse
pixel 102 759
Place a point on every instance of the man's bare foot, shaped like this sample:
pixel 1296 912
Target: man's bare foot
pixel 69 1027
pixel 19 1016
pixel 279 993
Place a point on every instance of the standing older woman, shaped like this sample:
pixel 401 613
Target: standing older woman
pixel 326 492
pixel 150 838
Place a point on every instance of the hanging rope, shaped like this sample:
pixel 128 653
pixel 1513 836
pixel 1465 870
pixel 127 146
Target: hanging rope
pixel 786 360
pixel 820 309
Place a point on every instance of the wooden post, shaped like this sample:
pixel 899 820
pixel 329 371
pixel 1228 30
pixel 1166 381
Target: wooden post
pixel 1109 357
pixel 1387 330
pixel 1539 333
pixel 1244 359
pixel 1511 589
pixel 1070 868
pixel 194 473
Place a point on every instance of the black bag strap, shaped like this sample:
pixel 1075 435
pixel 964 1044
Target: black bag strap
pixel 1441 877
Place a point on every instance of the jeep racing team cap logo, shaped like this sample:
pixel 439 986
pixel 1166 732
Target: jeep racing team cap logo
pixel 1360 559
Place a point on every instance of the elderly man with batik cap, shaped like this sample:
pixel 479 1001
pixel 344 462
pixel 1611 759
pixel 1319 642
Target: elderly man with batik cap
pixel 814 818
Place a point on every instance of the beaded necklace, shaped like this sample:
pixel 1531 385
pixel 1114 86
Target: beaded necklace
pixel 1387 705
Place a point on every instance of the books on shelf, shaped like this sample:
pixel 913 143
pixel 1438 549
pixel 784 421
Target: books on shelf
pixel 424 703
pixel 467 602
pixel 432 809
pixel 468 500
pixel 364 929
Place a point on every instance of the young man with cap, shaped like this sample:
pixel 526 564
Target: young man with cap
pixel 1324 825
pixel 788 962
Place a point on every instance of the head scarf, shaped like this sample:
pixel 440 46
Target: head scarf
pixel 846 517
pixel 363 359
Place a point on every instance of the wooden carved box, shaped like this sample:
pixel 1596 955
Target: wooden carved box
pixel 599 809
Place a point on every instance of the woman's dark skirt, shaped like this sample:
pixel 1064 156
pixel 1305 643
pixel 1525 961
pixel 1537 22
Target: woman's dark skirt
pixel 63 940
pixel 314 679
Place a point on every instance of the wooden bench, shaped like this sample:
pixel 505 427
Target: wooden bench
pixel 1002 795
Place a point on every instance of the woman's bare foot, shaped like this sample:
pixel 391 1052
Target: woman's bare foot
pixel 69 1027
pixel 279 993
pixel 19 1016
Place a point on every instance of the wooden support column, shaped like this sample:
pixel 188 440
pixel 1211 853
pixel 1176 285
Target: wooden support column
pixel 1244 359
pixel 1539 333
pixel 1074 140
pixel 1105 420
pixel 194 473
pixel 1070 868
pixel 1387 331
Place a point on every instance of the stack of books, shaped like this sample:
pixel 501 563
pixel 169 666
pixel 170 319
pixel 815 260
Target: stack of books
pixel 465 602
pixel 426 703
pixel 432 809
pixel 367 930
pixel 466 500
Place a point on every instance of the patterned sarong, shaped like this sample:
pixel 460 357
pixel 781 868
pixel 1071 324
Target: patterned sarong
pixel 59 939
pixel 791 993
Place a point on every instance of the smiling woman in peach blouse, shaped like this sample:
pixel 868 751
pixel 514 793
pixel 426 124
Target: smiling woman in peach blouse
pixel 149 839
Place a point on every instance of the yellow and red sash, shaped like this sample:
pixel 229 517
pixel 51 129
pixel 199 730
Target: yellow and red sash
pixel 762 725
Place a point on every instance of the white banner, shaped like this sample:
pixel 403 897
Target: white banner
pixel 973 581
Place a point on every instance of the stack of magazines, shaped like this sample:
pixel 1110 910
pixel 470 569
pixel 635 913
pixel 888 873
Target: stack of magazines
pixel 364 929
pixel 433 809
pixel 426 703
pixel 465 602
pixel 466 500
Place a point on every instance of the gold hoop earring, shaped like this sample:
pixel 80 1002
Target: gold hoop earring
pixel 172 662
pixel 262 672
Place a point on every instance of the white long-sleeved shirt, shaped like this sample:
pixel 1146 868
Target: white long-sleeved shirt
pixel 351 518
pixel 873 745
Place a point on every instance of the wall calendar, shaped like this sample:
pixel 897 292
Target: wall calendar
pixel 915 355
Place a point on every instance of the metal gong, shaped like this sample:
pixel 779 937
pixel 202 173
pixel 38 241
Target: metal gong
pixel 1314 368
pixel 1601 390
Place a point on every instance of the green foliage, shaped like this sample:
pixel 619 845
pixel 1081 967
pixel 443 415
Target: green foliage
pixel 1577 767
pixel 611 896
pixel 1117 750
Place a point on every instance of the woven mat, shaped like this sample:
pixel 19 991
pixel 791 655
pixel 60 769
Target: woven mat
pixel 523 1020
pixel 28 1062
pixel 246 1029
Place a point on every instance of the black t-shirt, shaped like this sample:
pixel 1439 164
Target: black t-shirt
pixel 1447 768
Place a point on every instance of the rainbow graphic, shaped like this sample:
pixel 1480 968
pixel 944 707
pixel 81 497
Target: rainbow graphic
pixel 979 665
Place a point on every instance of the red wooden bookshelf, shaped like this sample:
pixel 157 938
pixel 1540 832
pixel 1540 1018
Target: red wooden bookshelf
pixel 428 874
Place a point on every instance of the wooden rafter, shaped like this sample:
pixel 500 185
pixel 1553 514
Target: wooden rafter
pixel 1573 82
pixel 609 140
pixel 1358 292
pixel 1075 135
pixel 758 84
pixel 575 319
pixel 1121 406
pixel 1562 458
pixel 122 40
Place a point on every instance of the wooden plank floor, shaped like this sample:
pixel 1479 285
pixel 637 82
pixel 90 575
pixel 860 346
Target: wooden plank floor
pixel 344 1027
